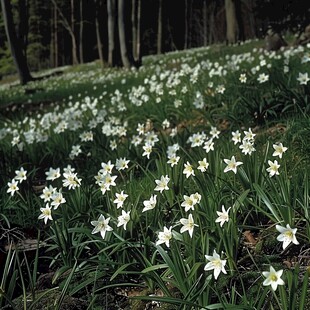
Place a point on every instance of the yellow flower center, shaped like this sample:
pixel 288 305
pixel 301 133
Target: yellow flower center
pixel 217 263
pixel 289 234
pixel 47 212
pixel 274 278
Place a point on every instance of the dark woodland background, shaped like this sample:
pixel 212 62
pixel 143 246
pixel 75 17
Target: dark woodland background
pixel 53 33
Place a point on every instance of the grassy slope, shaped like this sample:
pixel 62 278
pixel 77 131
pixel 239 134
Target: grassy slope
pixel 267 108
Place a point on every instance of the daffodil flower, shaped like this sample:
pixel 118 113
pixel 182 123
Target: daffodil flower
pixel 188 225
pixel 216 264
pixel 287 235
pixel 165 236
pixel 222 216
pixel 101 225
pixel 273 278
pixel 232 164
pixel 273 168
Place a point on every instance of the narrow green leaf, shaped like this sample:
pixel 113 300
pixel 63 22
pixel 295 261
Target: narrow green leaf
pixel 304 291
pixel 153 268
pixel 267 202
pixel 119 270
pixel 65 288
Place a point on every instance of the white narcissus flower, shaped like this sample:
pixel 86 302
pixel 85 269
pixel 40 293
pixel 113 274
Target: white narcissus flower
pixel 12 187
pixel 188 225
pixel 162 184
pixel 273 278
pixel 216 264
pixel 165 236
pixel 287 235
pixel 147 150
pixel 262 78
pixel 107 181
pixel 242 78
pixel 279 150
pixel 21 175
pixel 102 226
pixel 46 213
pixel 71 180
pixel 222 216
pixel 214 132
pixel 249 135
pixel 209 145
pixel 203 165
pixel 173 160
pixel 149 204
pixel 120 198
pixel 53 174
pixel 188 170
pixel 189 202
pixel 57 199
pixel 123 219
pixel 121 164
pixel 273 168
pixel 247 147
pixel 303 78
pixel 106 168
pixel 48 193
pixel 232 164
pixel 236 137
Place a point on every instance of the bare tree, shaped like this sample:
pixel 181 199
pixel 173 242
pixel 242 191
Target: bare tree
pixel 204 19
pixel 138 31
pixel 81 33
pixel 15 45
pixel 111 30
pixel 69 28
pixel 98 36
pixel 73 40
pixel 186 25
pixel 231 22
pixel 134 28
pixel 126 57
pixel 52 48
pixel 160 27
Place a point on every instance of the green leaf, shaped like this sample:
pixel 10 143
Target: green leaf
pixel 153 268
pixel 120 270
pixel 267 202
pixel 59 273
pixel 65 288
pixel 304 291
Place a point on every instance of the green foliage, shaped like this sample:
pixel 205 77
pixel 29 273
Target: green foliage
pixel 6 62
pixel 212 231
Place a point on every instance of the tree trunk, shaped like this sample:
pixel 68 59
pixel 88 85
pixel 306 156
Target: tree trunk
pixel 73 41
pixel 127 62
pixel 189 22
pixel 23 25
pixel 138 31
pixel 159 28
pixel 81 33
pixel 111 30
pixel 231 22
pixel 134 28
pixel 15 45
pixel 98 36
pixel 205 30
pixel 56 37
pixel 251 11
pixel 186 25
pixel 70 29
pixel 240 23
pixel 52 44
